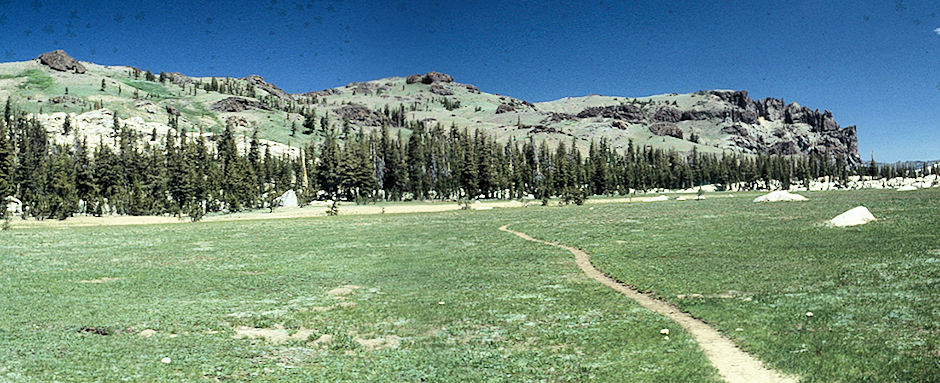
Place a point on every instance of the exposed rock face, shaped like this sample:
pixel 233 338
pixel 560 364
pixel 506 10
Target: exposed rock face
pixel 179 78
pixel 624 112
pixel 273 90
pixel 667 114
pixel 428 78
pixel 61 61
pixel 236 104
pixel 666 129
pixel 360 115
pixel 441 90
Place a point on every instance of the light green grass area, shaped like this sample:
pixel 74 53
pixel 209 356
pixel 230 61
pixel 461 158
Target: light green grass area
pixel 512 311
pixel 873 289
pixel 35 80
pixel 154 89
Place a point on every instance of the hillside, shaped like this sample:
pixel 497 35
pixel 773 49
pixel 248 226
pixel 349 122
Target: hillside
pixel 55 84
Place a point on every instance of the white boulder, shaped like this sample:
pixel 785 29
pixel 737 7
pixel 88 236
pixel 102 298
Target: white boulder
pixel 780 196
pixel 854 217
pixel 288 199
pixel 13 205
pixel 907 188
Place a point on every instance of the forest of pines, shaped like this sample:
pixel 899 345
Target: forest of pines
pixel 190 175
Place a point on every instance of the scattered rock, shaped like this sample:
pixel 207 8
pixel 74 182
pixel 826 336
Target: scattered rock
pixel 65 100
pixel 147 333
pixel 854 217
pixel 61 61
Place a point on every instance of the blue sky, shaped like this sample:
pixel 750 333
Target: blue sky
pixel 875 64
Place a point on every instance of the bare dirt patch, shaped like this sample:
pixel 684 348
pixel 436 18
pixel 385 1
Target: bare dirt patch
pixel 99 280
pixel 380 343
pixel 275 335
pixel 733 364
pixel 343 291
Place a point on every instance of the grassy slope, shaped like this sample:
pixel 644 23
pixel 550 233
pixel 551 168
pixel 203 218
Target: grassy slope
pixel 872 289
pixel 512 311
pixel 29 82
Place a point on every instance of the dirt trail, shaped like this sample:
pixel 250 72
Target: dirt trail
pixel 733 364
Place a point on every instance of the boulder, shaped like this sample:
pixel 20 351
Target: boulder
pixel 907 188
pixel 854 217
pixel 61 61
pixel 172 110
pixel 780 196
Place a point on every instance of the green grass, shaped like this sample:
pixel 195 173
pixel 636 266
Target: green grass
pixel 512 311
pixel 873 289
pixel 35 79
pixel 148 87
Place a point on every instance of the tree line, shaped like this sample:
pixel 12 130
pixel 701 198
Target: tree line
pixel 191 173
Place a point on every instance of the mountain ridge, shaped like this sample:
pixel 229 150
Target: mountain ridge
pixel 707 121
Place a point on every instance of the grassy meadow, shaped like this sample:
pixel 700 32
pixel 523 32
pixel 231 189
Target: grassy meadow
pixel 446 297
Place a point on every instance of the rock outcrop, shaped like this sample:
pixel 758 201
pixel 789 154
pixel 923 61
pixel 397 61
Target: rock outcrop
pixel 429 78
pixel 236 104
pixel 361 115
pixel 272 89
pixel 441 90
pixel 61 61
pixel 504 108
pixel 666 129
pixel 624 112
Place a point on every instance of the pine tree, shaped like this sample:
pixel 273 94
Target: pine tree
pixel 67 125
pixel 327 171
pixel 6 166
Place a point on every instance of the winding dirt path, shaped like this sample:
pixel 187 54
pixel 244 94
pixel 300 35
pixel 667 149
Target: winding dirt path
pixel 733 364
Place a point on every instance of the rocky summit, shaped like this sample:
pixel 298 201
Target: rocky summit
pixel 708 121
pixel 61 61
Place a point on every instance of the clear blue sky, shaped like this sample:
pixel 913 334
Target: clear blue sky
pixel 875 64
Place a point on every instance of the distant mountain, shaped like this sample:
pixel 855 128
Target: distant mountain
pixel 55 85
